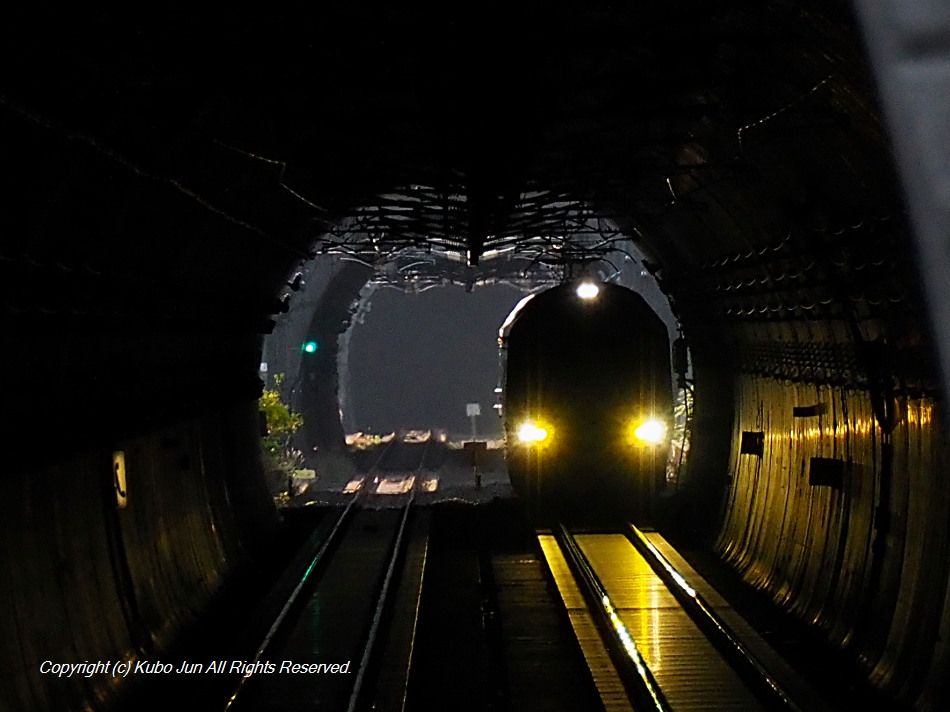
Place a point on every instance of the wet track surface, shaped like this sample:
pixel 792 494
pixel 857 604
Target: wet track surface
pixel 675 666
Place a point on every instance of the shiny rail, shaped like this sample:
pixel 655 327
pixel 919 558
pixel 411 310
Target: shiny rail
pixel 742 660
pixel 332 539
pixel 371 650
pixel 385 597
pixel 639 681
pixel 308 584
pixel 677 653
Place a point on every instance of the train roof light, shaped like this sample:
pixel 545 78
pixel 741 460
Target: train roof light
pixel 652 431
pixel 531 433
pixel 587 290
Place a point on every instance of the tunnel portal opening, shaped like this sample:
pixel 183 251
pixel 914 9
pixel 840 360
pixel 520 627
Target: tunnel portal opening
pixel 327 302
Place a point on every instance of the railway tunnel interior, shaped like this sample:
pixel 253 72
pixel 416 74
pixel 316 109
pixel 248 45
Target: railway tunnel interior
pixel 167 179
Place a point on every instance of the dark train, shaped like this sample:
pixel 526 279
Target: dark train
pixel 587 403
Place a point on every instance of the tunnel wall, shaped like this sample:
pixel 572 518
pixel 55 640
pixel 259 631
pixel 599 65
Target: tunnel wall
pixel 865 559
pixel 87 581
pixel 322 312
pixel 318 395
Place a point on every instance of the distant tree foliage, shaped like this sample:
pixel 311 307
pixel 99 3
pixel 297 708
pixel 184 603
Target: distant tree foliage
pixel 281 422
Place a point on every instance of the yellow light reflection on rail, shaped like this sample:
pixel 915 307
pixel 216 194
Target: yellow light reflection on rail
pixel 630 647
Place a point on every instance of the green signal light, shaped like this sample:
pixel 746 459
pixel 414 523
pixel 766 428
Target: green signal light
pixel 310 347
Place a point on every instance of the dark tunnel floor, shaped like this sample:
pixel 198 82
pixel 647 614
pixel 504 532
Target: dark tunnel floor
pixel 223 633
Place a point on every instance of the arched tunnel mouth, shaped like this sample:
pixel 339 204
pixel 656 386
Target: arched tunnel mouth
pixel 161 205
pixel 430 361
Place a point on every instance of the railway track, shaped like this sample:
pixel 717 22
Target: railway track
pixel 429 608
pixel 655 636
pixel 348 622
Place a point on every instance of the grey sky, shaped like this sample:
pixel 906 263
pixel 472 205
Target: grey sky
pixel 419 358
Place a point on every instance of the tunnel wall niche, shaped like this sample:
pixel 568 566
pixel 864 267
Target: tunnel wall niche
pixel 87 581
pixel 866 561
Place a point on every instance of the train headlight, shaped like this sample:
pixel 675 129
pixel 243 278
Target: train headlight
pixel 652 431
pixel 587 290
pixel 531 433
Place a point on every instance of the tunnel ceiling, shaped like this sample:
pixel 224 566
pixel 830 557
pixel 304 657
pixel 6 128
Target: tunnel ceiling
pixel 190 163
pixel 470 131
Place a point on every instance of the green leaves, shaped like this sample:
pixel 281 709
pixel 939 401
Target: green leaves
pixel 281 422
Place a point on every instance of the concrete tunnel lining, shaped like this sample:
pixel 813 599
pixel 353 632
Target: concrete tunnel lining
pixel 156 206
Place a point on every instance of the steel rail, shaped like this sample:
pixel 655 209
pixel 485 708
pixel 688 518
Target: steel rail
pixel 384 597
pixel 636 675
pixel 716 630
pixel 331 540
pixel 399 548
pixel 415 620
